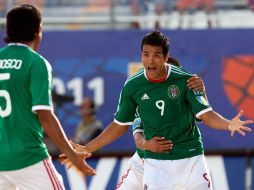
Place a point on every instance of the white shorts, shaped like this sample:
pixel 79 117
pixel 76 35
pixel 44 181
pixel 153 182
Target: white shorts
pixel 40 176
pixel 184 174
pixel 133 177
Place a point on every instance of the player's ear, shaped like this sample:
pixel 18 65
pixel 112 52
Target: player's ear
pixel 166 58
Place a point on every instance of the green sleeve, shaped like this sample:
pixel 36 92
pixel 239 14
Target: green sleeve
pixel 41 83
pixel 198 102
pixel 126 108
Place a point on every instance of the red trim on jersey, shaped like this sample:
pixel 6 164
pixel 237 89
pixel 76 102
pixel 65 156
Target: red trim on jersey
pixel 157 80
pixel 123 177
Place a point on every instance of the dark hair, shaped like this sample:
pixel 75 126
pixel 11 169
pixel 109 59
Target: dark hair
pixel 156 38
pixel 23 23
pixel 173 61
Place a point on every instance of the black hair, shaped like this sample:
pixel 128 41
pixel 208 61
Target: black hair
pixel 22 24
pixel 173 61
pixel 156 38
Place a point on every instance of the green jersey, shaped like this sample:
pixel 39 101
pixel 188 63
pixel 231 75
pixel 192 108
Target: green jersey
pixel 25 86
pixel 166 109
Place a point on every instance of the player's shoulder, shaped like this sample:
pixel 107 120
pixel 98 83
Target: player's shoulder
pixel 179 72
pixel 135 77
pixel 39 59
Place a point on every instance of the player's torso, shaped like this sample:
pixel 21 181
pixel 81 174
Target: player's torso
pixel 15 62
pixel 165 111
pixel 162 106
pixel 19 126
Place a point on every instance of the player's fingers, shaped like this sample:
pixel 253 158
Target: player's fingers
pixel 62 156
pixel 164 149
pixel 88 170
pixel 241 132
pixel 158 138
pixel 164 141
pixel 192 78
pixel 195 85
pixel 246 128
pixel 64 161
pixel 239 115
pixel 247 122
pixel 199 88
pixel 232 133
pixel 191 83
pixel 192 86
pixel 69 165
pixel 167 147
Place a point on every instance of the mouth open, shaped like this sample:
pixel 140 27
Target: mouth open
pixel 151 69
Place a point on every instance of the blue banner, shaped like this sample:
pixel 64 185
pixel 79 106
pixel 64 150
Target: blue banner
pixel 97 63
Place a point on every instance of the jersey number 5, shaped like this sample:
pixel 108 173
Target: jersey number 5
pixel 6 96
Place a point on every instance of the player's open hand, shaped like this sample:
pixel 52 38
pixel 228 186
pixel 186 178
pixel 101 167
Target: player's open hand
pixel 158 145
pixel 236 125
pixel 78 160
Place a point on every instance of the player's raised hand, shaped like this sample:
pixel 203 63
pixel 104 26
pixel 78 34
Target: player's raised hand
pixel 236 125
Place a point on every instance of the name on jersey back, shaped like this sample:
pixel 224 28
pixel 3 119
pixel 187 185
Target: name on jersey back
pixel 10 63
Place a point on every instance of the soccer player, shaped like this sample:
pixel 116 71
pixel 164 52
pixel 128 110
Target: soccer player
pixel 133 177
pixel 26 109
pixel 167 109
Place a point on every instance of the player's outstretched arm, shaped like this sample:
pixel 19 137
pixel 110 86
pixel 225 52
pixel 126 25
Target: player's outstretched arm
pixel 110 134
pixel 156 144
pixel 216 121
pixel 54 130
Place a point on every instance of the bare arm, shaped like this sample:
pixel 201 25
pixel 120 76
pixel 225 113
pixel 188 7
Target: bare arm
pixel 54 130
pixel 110 134
pixel 156 144
pixel 214 120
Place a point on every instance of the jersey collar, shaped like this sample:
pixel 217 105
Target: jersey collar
pixel 18 44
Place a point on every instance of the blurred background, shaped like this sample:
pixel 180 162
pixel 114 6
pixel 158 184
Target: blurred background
pixel 94 45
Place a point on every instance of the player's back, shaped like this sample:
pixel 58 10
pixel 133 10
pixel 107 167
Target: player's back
pixel 20 130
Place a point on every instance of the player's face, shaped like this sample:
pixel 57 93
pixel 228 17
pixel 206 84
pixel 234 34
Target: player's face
pixel 154 62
